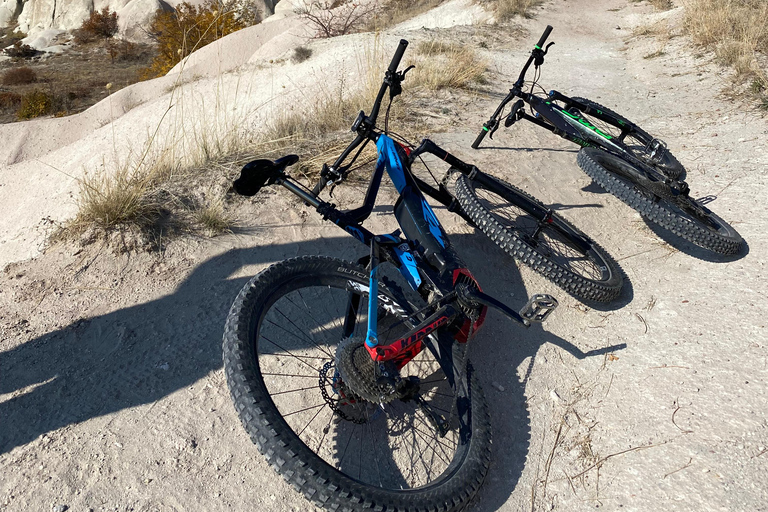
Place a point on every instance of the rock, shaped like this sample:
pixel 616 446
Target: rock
pixel 135 16
pixel 9 9
pixel 39 15
pixel 60 508
pixel 43 39
pixel 36 16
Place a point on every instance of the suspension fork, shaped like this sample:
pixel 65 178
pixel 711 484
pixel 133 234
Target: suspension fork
pixel 372 336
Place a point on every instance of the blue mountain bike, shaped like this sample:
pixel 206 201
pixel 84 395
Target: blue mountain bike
pixel 352 378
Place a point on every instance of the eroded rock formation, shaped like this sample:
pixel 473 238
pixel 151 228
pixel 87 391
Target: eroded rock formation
pixel 35 16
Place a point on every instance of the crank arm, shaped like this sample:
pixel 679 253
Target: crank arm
pixel 538 308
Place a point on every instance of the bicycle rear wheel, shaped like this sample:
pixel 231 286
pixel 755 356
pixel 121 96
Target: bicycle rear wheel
pixel 679 214
pixel 638 142
pixel 310 397
pixel 520 225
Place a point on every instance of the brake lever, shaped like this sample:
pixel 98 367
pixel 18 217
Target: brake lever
pixel 492 128
pixel 538 55
pixel 401 74
pixel 394 87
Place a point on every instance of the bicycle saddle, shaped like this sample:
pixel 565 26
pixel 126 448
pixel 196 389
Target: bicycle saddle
pixel 258 173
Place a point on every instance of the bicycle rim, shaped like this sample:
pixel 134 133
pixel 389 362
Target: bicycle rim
pixel 546 239
pixel 391 445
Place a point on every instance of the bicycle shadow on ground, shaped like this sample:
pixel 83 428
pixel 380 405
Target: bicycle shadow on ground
pixel 498 350
pixel 143 353
pixel 681 244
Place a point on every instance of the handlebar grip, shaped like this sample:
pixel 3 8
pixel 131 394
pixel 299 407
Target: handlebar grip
pixel 480 138
pixel 398 55
pixel 544 37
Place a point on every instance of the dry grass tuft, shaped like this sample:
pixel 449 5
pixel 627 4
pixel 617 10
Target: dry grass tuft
pixel 214 219
pixel 125 197
pixel 662 5
pixel 736 30
pixel 507 9
pixel 659 5
pixel 397 11
pixel 449 65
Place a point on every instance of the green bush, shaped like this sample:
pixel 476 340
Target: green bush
pixel 35 104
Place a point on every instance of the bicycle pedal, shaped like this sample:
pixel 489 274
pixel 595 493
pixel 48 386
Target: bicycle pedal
pixel 658 149
pixel 538 308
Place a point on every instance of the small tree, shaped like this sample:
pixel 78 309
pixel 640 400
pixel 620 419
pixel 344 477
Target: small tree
pixel 337 17
pixel 187 28
pixel 100 25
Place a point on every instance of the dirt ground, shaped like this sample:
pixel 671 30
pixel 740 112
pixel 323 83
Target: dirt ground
pixel 112 394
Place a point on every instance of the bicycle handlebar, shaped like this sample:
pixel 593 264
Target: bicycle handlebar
pixel 368 123
pixel 544 37
pixel 399 55
pixel 537 56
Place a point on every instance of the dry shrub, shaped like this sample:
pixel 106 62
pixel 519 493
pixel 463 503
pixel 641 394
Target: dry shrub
pixel 122 50
pixel 434 47
pixel 301 53
pixel 332 18
pixel 736 30
pixel 449 65
pixel 507 9
pixel 99 25
pixel 9 100
pixel 19 76
pixel 20 51
pixel 35 103
pixel 662 5
pixel 187 28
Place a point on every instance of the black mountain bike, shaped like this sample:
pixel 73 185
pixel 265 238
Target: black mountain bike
pixel 618 155
pixel 352 378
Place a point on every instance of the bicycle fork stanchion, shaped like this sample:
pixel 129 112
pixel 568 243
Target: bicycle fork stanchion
pixel 372 337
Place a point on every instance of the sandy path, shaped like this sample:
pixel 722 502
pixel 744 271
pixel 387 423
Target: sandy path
pixel 111 388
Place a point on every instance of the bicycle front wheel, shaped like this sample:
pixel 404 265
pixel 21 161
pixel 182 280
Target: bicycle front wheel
pixel 681 214
pixel 639 142
pixel 317 407
pixel 525 229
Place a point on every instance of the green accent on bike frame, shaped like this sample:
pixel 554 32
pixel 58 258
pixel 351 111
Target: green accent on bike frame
pixel 620 122
pixel 581 142
pixel 537 47
pixel 587 124
pixel 485 128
